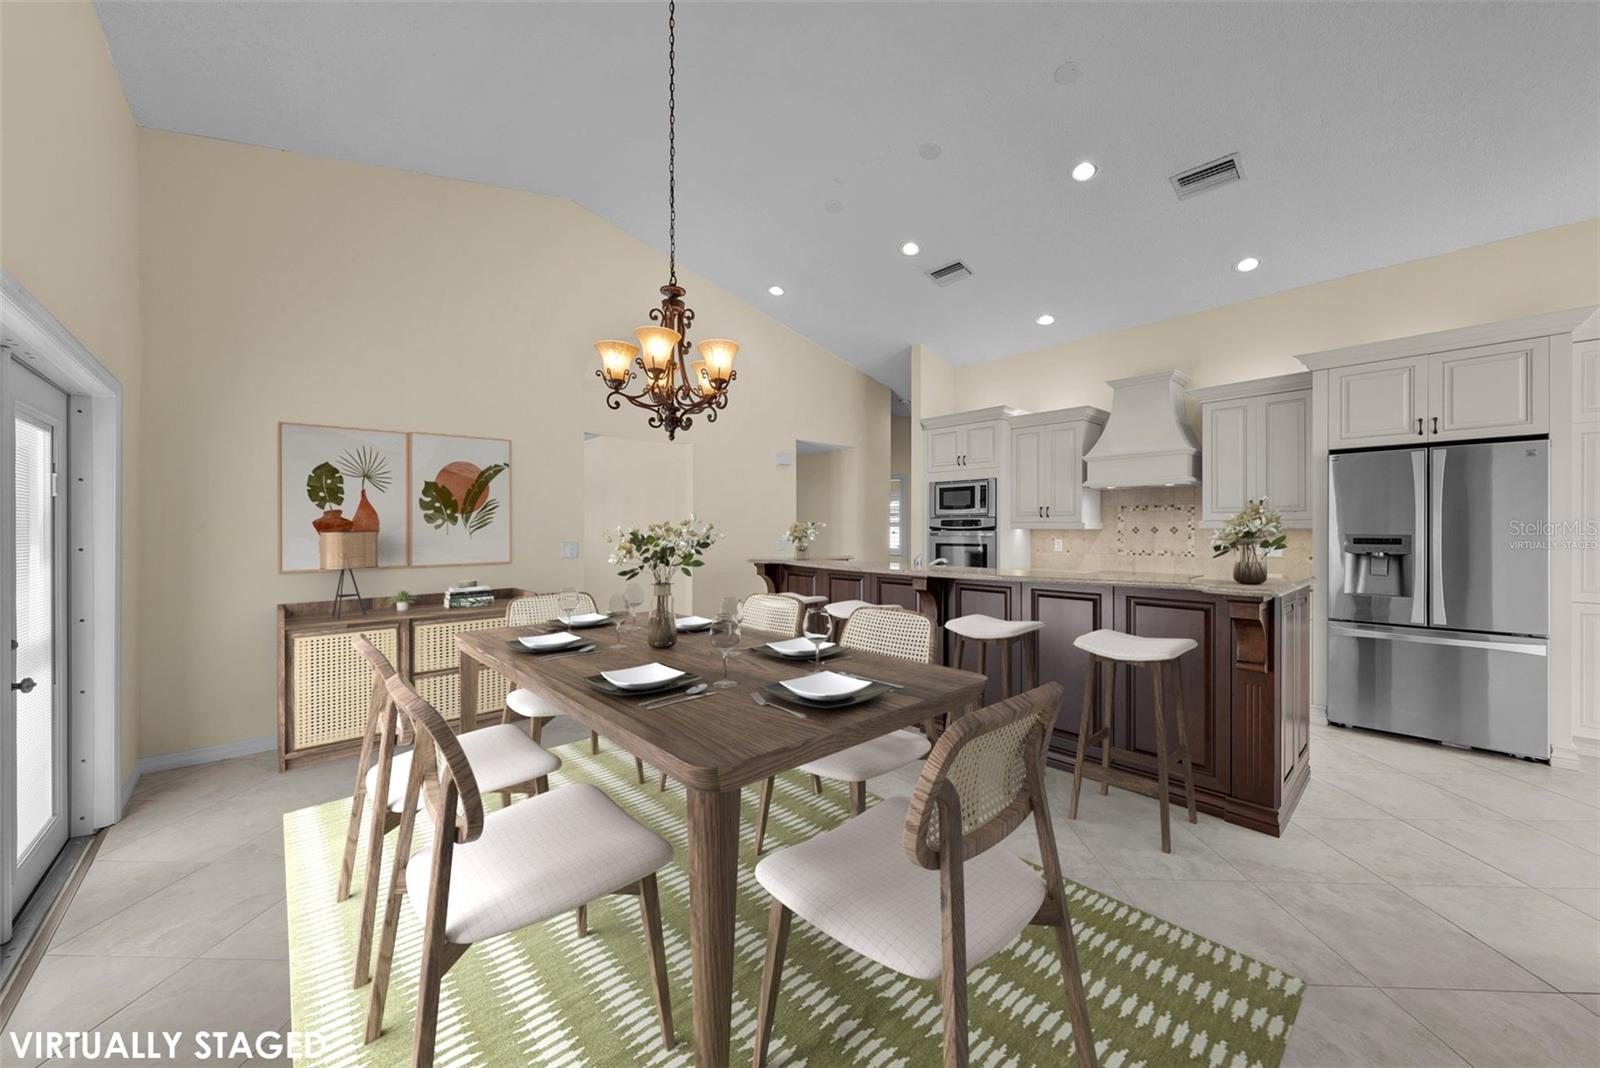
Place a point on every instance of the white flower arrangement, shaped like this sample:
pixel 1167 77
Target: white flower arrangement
pixel 663 549
pixel 802 534
pixel 1257 526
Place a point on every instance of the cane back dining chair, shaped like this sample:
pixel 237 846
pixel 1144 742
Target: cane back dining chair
pixel 950 899
pixel 526 612
pixel 503 758
pixel 488 874
pixel 892 632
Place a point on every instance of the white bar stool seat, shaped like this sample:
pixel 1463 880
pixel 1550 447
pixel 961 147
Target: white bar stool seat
pixel 983 628
pixel 1131 648
pixel 987 631
pixel 843 610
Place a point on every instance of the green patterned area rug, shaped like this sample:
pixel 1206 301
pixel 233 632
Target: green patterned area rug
pixel 1159 995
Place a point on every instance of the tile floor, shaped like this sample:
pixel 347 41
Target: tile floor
pixel 1443 906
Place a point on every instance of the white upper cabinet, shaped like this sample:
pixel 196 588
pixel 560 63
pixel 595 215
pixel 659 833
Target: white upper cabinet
pixel 1485 392
pixel 1378 404
pixel 1045 480
pixel 1256 445
pixel 966 443
pixel 1490 391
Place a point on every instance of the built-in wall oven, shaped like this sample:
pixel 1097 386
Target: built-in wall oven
pixel 963 542
pixel 973 497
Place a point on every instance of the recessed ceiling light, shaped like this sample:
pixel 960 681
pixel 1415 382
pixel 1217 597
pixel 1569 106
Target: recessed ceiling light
pixel 776 291
pixel 1084 171
pixel 910 248
pixel 1246 265
pixel 1045 320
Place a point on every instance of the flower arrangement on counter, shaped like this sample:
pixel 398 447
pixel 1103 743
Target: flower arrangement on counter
pixel 663 549
pixel 803 533
pixel 1252 531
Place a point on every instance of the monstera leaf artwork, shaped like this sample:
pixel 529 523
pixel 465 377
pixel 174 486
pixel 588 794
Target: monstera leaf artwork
pixel 325 486
pixel 341 480
pixel 459 496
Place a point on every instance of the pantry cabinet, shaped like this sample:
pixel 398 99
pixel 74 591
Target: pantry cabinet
pixel 1256 445
pixel 1047 469
pixel 1488 391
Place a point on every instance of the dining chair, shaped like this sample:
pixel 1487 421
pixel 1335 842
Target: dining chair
pixel 946 900
pixel 505 760
pixel 526 612
pixel 891 632
pixel 488 874
pixel 777 613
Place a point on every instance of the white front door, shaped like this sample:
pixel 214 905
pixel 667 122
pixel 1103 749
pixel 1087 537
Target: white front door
pixel 35 749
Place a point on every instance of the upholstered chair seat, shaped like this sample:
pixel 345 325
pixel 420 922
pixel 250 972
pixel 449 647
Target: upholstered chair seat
pixel 502 756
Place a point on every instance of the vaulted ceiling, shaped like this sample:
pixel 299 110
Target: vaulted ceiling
pixel 816 138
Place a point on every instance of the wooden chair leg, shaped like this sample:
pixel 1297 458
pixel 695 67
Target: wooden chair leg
pixel 1107 718
pixel 1085 727
pixel 541 785
pixel 536 728
pixel 983 669
pixel 352 834
pixel 594 742
pixel 816 785
pixel 1183 739
pixel 661 781
pixel 761 816
pixel 771 977
pixel 638 769
pixel 959 650
pixel 505 798
pixel 1005 668
pixel 858 798
pixel 650 906
pixel 1066 945
pixel 394 902
pixel 378 829
pixel 953 974
pixel 1160 718
pixel 583 921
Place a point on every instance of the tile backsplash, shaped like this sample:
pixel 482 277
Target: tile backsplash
pixel 1156 531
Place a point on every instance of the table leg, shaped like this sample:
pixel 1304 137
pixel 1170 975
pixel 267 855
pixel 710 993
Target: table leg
pixel 469 692
pixel 713 824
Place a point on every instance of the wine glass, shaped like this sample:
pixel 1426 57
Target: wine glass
pixel 567 602
pixel 635 595
pixel 731 608
pixel 724 639
pixel 619 613
pixel 818 625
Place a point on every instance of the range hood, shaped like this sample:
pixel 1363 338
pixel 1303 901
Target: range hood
pixel 1147 441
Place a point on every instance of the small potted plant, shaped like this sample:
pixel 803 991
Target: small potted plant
pixel 402 601
pixel 1254 530
pixel 802 534
pixel 663 549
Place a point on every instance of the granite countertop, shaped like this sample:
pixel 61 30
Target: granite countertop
pixel 1276 586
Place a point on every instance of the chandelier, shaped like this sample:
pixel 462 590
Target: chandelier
pixel 675 388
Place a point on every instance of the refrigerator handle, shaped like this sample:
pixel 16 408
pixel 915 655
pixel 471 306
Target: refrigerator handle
pixel 1419 478
pixel 1437 616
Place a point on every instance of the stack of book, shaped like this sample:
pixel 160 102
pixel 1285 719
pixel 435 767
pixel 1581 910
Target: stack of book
pixel 474 596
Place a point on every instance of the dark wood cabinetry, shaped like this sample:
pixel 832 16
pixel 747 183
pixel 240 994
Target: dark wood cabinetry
pixel 1246 684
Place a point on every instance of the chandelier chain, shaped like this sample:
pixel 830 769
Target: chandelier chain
pixel 672 141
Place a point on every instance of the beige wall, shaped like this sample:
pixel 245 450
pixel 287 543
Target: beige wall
pixel 69 230
pixel 933 392
pixel 900 445
pixel 1545 271
pixel 615 496
pixel 279 286
pixel 817 476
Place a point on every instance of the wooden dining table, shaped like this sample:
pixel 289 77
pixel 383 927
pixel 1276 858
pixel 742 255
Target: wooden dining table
pixel 714 745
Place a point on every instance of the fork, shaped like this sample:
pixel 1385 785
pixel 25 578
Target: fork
pixel 766 702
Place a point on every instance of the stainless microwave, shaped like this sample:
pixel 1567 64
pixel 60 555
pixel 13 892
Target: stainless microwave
pixel 970 497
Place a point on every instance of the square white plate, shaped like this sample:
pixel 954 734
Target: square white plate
pixel 587 619
pixel 694 622
pixel 544 643
pixel 641 677
pixel 824 686
pixel 799 647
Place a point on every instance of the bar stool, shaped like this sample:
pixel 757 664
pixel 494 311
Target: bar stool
pixel 810 600
pixel 1111 648
pixel 841 611
pixel 987 631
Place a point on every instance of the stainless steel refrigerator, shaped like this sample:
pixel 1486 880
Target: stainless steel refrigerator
pixel 1438 599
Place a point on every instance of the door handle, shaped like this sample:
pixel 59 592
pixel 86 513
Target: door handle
pixel 26 685
pixel 1419 424
pixel 1047 511
pixel 1436 424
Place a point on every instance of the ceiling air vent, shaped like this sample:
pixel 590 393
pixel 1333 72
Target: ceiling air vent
pixel 1207 176
pixel 950 274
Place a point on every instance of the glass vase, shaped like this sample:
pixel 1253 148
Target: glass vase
pixel 663 627
pixel 1250 569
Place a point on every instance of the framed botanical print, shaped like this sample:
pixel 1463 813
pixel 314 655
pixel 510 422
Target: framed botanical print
pixel 460 500
pixel 336 479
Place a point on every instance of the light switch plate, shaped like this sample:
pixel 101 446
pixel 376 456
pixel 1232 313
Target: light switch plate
pixel 569 550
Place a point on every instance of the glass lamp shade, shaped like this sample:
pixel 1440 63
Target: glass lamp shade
pixel 615 358
pixel 701 379
pixel 659 346
pixel 718 353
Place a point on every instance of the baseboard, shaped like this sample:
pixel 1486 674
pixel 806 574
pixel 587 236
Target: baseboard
pixel 127 792
pixel 1319 714
pixel 243 747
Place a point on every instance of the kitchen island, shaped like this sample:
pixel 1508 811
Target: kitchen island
pixel 1247 684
